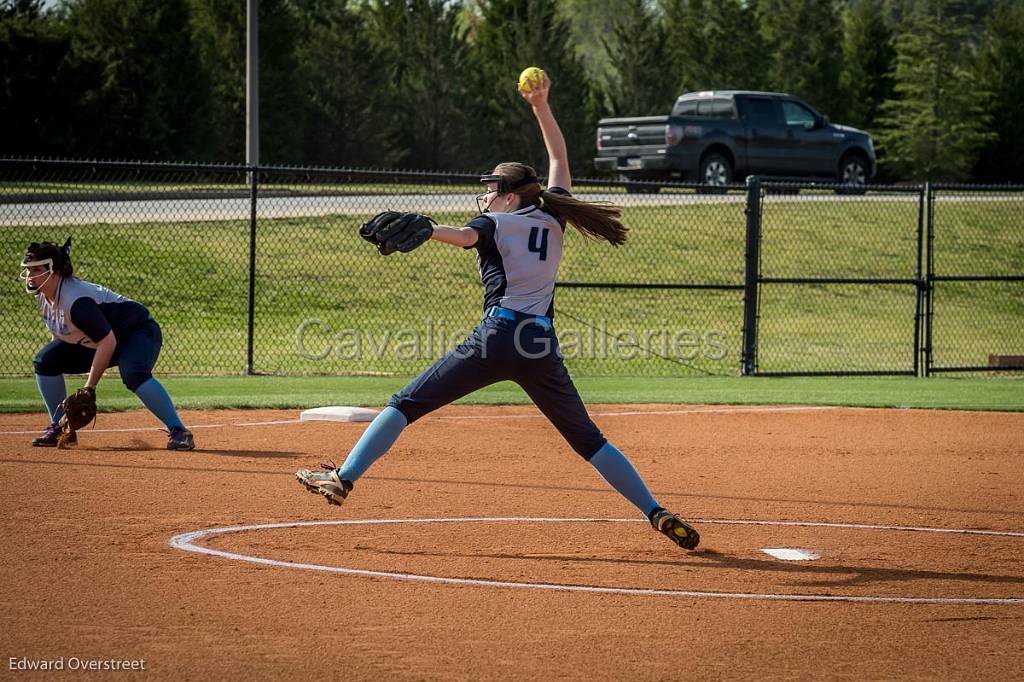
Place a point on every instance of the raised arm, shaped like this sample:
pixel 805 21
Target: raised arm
pixel 558 158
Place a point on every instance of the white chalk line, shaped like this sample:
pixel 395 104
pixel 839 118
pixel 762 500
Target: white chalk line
pixel 537 415
pixel 634 413
pixel 862 526
pixel 148 429
pixel 186 542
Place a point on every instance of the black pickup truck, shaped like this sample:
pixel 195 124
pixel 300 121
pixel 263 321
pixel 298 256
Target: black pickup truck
pixel 719 137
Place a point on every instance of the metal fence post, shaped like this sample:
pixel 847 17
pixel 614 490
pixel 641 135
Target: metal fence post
pixel 929 283
pixel 919 308
pixel 253 183
pixel 748 359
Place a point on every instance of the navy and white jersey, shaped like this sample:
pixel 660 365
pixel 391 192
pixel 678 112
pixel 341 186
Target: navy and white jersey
pixel 518 254
pixel 83 313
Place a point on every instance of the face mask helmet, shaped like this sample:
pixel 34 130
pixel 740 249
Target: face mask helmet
pixel 56 259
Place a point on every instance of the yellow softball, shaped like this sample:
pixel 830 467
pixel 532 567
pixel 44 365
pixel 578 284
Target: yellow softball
pixel 530 77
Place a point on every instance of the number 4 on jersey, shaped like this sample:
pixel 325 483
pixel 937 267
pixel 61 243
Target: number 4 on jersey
pixel 542 246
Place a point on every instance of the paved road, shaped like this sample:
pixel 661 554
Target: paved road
pixel 207 209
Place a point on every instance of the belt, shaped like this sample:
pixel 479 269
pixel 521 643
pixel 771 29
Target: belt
pixel 507 314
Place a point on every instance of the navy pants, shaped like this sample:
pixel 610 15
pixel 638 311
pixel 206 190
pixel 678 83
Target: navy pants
pixel 506 350
pixel 135 356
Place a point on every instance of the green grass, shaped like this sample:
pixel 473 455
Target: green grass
pixel 315 271
pixel 1004 394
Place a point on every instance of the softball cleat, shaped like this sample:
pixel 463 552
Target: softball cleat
pixel 675 529
pixel 52 435
pixel 326 483
pixel 180 439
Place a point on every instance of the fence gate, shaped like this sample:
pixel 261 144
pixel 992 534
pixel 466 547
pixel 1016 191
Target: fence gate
pixel 834 280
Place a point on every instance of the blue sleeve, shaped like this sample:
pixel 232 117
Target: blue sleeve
pixel 88 317
pixel 485 228
pixel 559 190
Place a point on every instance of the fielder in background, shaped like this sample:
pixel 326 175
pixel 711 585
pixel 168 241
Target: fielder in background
pixel 93 328
pixel 518 237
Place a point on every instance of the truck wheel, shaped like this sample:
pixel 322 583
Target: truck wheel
pixel 853 174
pixel 715 172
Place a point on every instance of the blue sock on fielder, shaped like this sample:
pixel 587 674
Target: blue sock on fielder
pixel 53 391
pixel 375 441
pixel 615 468
pixel 154 396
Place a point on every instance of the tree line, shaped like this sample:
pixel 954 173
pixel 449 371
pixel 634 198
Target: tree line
pixel 429 84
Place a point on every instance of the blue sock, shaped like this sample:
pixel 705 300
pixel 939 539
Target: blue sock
pixel 53 391
pixel 375 441
pixel 154 396
pixel 615 468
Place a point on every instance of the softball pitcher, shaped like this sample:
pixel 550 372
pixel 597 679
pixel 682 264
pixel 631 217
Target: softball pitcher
pixel 93 328
pixel 518 238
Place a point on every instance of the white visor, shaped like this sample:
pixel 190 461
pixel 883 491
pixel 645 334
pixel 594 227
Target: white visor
pixel 48 262
pixel 26 264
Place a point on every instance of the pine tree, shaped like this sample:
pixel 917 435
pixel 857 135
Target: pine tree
pixel 218 30
pixel 39 90
pixel 591 22
pixel 282 104
pixel 804 47
pixel 637 52
pixel 735 50
pixel 685 45
pixel 715 45
pixel 422 46
pixel 143 95
pixel 511 35
pixel 938 118
pixel 342 73
pixel 867 60
pixel 1001 70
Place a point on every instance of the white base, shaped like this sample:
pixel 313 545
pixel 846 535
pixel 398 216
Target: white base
pixel 787 554
pixel 338 413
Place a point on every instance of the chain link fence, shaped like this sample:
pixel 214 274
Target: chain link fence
pixel 839 280
pixel 262 272
pixel 975 268
pixel 265 273
pixel 173 238
pixel 326 303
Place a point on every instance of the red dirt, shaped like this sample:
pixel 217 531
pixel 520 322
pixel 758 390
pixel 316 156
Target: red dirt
pixel 88 572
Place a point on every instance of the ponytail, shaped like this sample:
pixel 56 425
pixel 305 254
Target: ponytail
pixel 597 219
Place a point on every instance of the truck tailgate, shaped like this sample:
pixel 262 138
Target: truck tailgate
pixel 632 132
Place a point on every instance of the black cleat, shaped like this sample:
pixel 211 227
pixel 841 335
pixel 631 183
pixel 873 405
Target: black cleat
pixel 51 437
pixel 180 439
pixel 675 529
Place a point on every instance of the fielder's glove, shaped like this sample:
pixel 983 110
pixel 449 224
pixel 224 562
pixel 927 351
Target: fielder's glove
pixel 392 231
pixel 79 411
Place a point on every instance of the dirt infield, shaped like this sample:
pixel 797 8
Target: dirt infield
pixel 89 574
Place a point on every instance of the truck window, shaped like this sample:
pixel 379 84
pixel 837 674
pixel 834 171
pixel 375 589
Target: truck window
pixel 796 114
pixel 715 108
pixel 762 112
pixel 685 108
pixel 722 108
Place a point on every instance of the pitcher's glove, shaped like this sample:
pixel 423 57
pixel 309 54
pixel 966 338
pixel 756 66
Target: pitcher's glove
pixel 79 411
pixel 392 231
